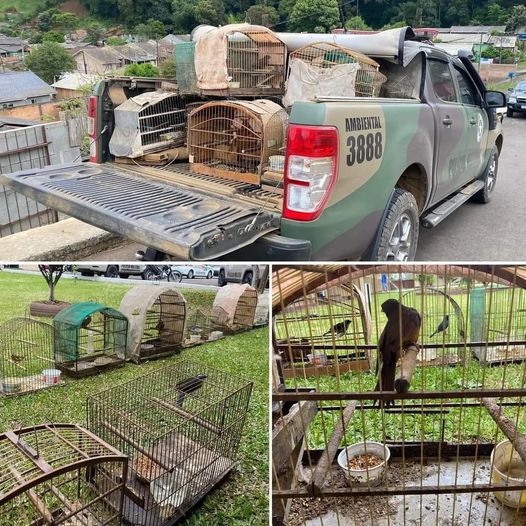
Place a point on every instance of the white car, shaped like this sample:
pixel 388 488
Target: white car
pixel 195 271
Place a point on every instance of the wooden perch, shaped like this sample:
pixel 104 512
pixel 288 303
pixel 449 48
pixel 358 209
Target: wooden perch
pixel 506 426
pixel 405 372
pixel 327 457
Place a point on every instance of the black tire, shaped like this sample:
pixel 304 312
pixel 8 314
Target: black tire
pixel 401 213
pixel 489 177
pixel 190 274
pixel 112 271
pixel 247 278
pixel 148 274
pixel 210 275
pixel 509 113
pixel 221 279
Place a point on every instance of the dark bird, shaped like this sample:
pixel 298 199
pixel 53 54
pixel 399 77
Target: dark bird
pixel 444 324
pixel 401 330
pixel 188 386
pixel 160 325
pixel 339 328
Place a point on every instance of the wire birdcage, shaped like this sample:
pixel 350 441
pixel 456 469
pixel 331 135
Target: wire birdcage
pixel 60 474
pixel 440 440
pixel 234 308
pixel 198 325
pixel 181 427
pixel 236 139
pixel 89 338
pixel 156 318
pixel 26 356
pixel 325 68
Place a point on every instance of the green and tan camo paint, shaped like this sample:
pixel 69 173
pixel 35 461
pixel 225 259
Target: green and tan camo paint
pixel 407 134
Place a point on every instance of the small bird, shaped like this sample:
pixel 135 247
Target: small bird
pixel 402 329
pixel 160 325
pixel 187 386
pixel 444 324
pixel 16 358
pixel 339 329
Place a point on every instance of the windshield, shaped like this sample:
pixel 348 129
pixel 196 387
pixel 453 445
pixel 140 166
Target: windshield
pixel 521 87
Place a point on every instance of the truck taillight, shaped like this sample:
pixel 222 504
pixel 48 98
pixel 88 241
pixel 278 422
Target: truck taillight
pixel 92 127
pixel 311 168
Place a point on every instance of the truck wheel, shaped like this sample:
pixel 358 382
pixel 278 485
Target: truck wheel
pixel 489 177
pixel 221 279
pixel 509 113
pixel 397 237
pixel 112 271
pixel 148 274
pixel 247 278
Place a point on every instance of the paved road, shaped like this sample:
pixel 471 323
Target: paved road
pixel 491 232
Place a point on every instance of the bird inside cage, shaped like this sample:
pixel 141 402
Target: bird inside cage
pixel 188 386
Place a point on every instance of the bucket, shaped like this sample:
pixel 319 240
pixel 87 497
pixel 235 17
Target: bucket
pixel 507 467
pixel 317 358
pixel 51 376
pixel 368 476
pixel 11 385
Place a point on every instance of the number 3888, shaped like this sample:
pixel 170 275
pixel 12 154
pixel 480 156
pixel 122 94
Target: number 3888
pixel 364 148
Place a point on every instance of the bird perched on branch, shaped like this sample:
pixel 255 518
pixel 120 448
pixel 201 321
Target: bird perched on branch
pixel 188 386
pixel 339 328
pixel 401 330
pixel 444 324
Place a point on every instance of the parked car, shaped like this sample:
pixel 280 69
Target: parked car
pixel 517 99
pixel 239 274
pixel 195 271
pixel 111 271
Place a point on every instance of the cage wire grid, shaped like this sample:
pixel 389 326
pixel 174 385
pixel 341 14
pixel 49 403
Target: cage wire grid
pixel 440 434
pixel 181 440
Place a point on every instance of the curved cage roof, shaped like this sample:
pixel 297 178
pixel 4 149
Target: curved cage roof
pixel 78 312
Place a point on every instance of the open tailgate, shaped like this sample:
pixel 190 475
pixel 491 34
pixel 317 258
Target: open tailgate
pixel 184 222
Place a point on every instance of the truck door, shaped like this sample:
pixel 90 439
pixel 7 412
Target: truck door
pixel 451 131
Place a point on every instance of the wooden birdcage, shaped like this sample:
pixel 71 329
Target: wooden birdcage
pixel 156 318
pixel 240 60
pixel 235 139
pixel 60 474
pixel 181 427
pixel 89 338
pixel 198 326
pixel 234 308
pixel 26 356
pixel 325 68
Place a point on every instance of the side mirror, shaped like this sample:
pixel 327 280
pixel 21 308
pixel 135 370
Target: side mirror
pixel 495 99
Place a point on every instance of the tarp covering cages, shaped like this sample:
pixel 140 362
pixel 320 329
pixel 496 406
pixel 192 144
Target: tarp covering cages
pixel 89 338
pixel 26 356
pixel 236 139
pixel 156 318
pixel 60 474
pixel 181 427
pixel 234 308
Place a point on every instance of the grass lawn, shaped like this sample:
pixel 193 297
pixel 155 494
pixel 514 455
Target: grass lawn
pixel 22 6
pixel 243 499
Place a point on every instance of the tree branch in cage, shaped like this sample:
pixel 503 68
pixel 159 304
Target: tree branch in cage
pixel 506 426
pixel 407 367
pixel 327 458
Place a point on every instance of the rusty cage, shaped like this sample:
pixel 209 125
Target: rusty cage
pixel 156 318
pixel 89 338
pixel 445 443
pixel 60 474
pixel 234 308
pixel 181 427
pixel 26 356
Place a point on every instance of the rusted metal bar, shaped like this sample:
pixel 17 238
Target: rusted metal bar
pixel 405 372
pixel 22 149
pixel 324 464
pixel 429 406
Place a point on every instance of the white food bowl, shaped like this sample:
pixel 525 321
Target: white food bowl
pixel 51 376
pixel 317 358
pixel 508 468
pixel 364 477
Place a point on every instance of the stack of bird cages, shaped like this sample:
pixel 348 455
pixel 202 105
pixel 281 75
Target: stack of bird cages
pixel 60 474
pixel 327 69
pixel 234 308
pixel 199 327
pixel 149 122
pixel 240 60
pixel 89 338
pixel 236 139
pixel 445 445
pixel 181 427
pixel 26 356
pixel 156 318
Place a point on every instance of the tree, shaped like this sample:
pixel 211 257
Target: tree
pixel 53 36
pixel 167 67
pixel 141 70
pixel 65 21
pixel 210 12
pixel 496 15
pixel 183 15
pixel 418 13
pixel 115 41
pixel 357 22
pixel 155 29
pixel 517 19
pixel 262 15
pixel 318 16
pixel 50 60
pixel 52 274
pixel 94 33
pixel 45 19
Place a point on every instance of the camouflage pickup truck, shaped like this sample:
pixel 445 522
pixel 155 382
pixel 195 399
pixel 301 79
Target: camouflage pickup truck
pixel 361 174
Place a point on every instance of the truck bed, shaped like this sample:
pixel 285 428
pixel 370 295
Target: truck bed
pixel 185 214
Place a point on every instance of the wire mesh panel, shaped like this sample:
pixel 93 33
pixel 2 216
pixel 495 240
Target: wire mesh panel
pixel 181 427
pixel 60 474
pixel 184 54
pixel 26 356
pixel 440 440
pixel 89 338
pixel 199 326
pixel 327 69
pixel 234 307
pixel 236 139
pixel 156 321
